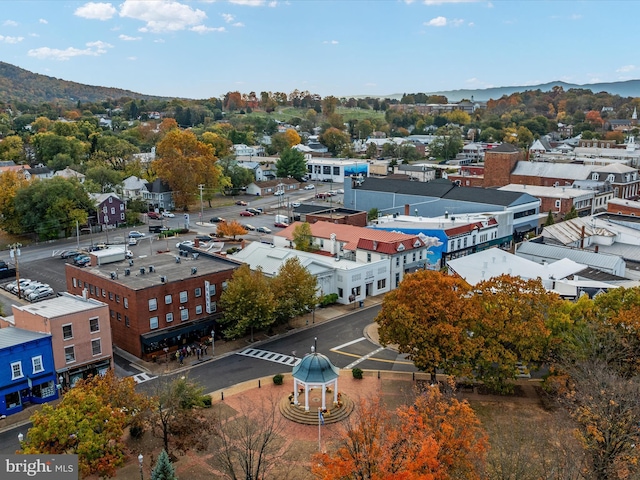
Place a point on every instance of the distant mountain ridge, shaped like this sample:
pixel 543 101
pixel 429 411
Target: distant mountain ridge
pixel 629 88
pixel 17 84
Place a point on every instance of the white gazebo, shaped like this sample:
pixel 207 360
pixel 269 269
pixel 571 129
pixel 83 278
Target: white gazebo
pixel 315 371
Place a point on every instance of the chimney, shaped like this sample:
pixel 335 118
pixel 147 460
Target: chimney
pixel 597 248
pixel 406 210
pixel 582 238
pixel 196 243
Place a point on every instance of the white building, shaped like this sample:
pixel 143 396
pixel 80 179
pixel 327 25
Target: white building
pixel 336 169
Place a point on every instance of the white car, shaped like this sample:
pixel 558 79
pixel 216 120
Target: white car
pixel 340 191
pixel 277 193
pixel 295 204
pixel 168 214
pixel 133 241
pixel 186 243
pixel 311 186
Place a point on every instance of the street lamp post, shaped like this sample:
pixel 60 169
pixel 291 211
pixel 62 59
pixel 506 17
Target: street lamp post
pixel 140 460
pixel 213 342
pixel 14 253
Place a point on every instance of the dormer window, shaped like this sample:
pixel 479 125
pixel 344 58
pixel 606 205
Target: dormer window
pixel 400 247
pixel 417 244
pixel 595 176
pixel 611 177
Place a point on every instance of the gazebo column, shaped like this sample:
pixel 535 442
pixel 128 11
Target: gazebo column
pixel 335 391
pixel 295 391
pixel 324 395
pixel 306 397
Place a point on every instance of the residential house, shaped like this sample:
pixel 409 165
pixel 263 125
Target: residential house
pixel 242 150
pixel 158 196
pixel 80 333
pixel 110 209
pixel 69 173
pixel 159 301
pixel 270 187
pixel 28 375
pixel 133 188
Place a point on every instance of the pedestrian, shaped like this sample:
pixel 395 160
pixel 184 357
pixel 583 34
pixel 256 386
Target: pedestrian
pixel 181 358
pixel 188 350
pixel 204 348
pixel 178 354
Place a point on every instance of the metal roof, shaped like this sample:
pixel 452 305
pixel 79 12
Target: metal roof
pixel 63 305
pixel 570 171
pixel 12 336
pixel 597 260
pixel 315 368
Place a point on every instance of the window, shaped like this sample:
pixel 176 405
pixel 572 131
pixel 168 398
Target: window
pixel 153 323
pixel 153 304
pixel 382 283
pixel 110 295
pixel 368 257
pixel 36 363
pixel 198 292
pixel 126 321
pixel 214 307
pixel 92 290
pixel 198 309
pixel 212 288
pixel 340 292
pixel 104 293
pixel 113 211
pixel 75 282
pixel 121 215
pixel 167 300
pixel 117 298
pixel 184 314
pixel 96 348
pixel 557 203
pixel 94 325
pixel 397 261
pixel 16 370
pixel 119 316
pixel 121 207
pixel 69 354
pixel 110 199
pixel 183 297
pixel 169 317
pixel 67 331
pixel 126 302
pixel 113 314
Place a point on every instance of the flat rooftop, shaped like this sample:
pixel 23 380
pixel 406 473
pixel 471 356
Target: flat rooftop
pixel 146 271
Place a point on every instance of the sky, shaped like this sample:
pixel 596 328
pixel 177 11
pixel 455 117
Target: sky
pixel 205 48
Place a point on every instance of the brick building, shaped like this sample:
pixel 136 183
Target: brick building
pixel 498 164
pixel 156 302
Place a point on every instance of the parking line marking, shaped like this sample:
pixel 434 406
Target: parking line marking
pixel 348 343
pixel 366 357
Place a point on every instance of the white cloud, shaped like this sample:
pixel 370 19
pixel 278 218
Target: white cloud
pixel 34 35
pixel 370 84
pixel 332 42
pixel 4 39
pixel 162 16
pixel 442 2
pixel 10 23
pixel 456 22
pixel 96 11
pixel 273 4
pixel 132 58
pixel 228 18
pixel 127 38
pixel 249 3
pixel 158 40
pixel 575 16
pixel 626 69
pixel 205 29
pixel 436 22
pixel 42 20
pixel 94 49
pixel 238 24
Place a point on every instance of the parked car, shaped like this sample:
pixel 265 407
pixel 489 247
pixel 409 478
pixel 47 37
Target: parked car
pixel 204 238
pixel 34 286
pixel 217 220
pixel 332 193
pixel 322 195
pixel 186 243
pixel 280 225
pixel 255 211
pixel 133 241
pixel 168 214
pixel 38 292
pixel 13 286
pixel 246 213
pixel 154 215
pixel 135 234
pixel 340 191
pixel 263 229
pixel 278 193
pixel 242 203
pixel 128 254
pixel 69 254
pixel 247 226
pixel 311 186
pixel 295 204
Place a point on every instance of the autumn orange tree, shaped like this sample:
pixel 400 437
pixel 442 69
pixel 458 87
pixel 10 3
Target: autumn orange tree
pixel 230 229
pixel 437 438
pixel 429 318
pixel 510 327
pixel 89 422
pixel 184 162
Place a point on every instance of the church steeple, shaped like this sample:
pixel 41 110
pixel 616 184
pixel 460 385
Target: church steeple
pixel 634 116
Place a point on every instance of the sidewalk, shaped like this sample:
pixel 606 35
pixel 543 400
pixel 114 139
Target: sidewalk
pixel 222 349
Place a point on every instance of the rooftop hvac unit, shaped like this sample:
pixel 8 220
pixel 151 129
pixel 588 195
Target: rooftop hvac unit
pixel 177 259
pixel 142 272
pixel 195 255
pixel 163 279
pixel 131 263
pixel 113 275
pixel 152 269
pixel 127 272
pixel 194 270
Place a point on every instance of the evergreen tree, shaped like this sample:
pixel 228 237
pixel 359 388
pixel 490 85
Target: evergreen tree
pixel 164 468
pixel 550 221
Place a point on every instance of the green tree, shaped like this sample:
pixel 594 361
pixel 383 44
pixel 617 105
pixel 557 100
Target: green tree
pixel 372 150
pixel 12 148
pixel 334 139
pixel 296 288
pixel 302 237
pixel 107 178
pixel 447 143
pixel 329 105
pixel 429 317
pixel 291 164
pixel 572 213
pixel 164 468
pixel 248 303
pixel 238 176
pixel 48 145
pixel 372 214
pixel 52 206
pixel 550 220
pixel 10 184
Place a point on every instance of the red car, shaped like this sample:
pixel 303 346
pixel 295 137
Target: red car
pixel 242 203
pixel 154 215
pixel 280 225
pixel 246 213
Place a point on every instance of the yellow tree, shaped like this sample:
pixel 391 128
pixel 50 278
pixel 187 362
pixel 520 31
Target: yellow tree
pixel 292 137
pixel 428 317
pixel 222 146
pixel 510 327
pixel 230 229
pixel 184 163
pixel 10 183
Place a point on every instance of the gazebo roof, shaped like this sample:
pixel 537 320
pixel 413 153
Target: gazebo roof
pixel 315 368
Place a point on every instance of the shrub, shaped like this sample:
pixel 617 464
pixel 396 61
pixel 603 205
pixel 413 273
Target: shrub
pixel 136 430
pixel 232 250
pixel 206 401
pixel 329 299
pixel 357 373
pixel 278 379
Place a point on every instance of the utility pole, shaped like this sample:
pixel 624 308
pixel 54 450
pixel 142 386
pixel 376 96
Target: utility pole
pixel 14 252
pixel 201 187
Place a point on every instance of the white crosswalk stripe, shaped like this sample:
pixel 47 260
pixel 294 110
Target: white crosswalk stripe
pixel 270 356
pixel 143 377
